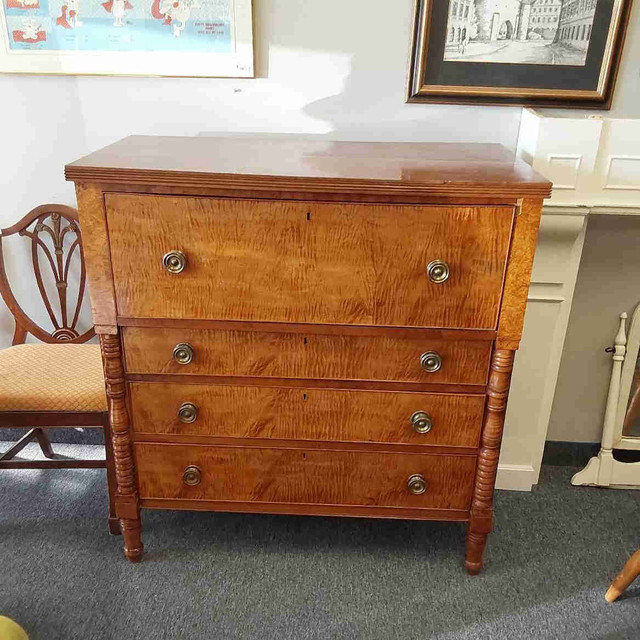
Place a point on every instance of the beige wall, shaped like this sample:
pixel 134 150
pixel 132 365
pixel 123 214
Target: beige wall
pixel 608 283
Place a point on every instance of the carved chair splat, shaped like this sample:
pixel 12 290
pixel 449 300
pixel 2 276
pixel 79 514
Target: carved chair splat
pixel 52 384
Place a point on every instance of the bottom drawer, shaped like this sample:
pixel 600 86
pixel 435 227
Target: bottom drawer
pixel 296 476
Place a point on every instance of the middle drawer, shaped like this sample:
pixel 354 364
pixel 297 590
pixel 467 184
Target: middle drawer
pixel 312 356
pixel 328 415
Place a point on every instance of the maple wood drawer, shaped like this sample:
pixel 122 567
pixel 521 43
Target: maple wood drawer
pixel 294 476
pixel 307 262
pixel 337 415
pixel 312 356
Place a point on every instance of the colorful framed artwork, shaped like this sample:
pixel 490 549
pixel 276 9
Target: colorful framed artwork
pixel 192 38
pixel 559 53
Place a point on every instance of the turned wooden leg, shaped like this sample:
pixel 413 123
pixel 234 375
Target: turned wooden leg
pixel 112 485
pixel 628 574
pixel 126 498
pixel 481 517
pixel 476 543
pixel 131 531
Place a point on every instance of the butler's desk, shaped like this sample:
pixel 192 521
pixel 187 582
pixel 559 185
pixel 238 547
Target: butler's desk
pixel 302 327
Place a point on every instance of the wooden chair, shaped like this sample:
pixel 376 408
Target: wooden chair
pixel 58 382
pixel 629 573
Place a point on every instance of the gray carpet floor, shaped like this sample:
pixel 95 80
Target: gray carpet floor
pixel 217 576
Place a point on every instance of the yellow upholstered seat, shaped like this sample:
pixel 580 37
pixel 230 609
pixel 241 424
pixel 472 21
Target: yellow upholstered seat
pixel 10 630
pixel 52 377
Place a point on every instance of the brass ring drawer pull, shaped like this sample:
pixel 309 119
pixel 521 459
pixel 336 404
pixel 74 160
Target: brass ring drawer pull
pixel 174 261
pixel 417 484
pixel 421 422
pixel 438 271
pixel 183 353
pixel 188 412
pixel 192 476
pixel 430 361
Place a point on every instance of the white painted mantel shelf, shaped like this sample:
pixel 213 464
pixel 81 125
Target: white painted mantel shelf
pixel 594 163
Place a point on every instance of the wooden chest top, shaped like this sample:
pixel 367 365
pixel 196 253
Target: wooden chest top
pixel 369 168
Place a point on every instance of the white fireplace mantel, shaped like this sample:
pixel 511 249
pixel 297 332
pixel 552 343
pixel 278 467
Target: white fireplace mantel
pixel 594 163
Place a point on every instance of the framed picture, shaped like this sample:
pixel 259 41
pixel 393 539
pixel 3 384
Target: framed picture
pixel 193 38
pixel 560 53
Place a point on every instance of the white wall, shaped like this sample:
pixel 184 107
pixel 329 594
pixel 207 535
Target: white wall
pixel 333 67
pixel 43 129
pixel 607 285
pixel 325 67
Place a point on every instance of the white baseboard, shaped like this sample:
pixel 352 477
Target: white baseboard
pixel 515 477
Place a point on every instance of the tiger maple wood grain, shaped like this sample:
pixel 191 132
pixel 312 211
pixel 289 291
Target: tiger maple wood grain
pixel 306 300
pixel 308 262
pixel 287 355
pixel 95 239
pixel 304 477
pixel 306 414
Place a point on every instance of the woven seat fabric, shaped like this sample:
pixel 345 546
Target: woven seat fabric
pixel 52 377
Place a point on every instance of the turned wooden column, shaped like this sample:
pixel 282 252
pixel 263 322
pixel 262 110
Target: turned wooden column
pixel 481 519
pixel 127 508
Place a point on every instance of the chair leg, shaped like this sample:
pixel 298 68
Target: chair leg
pixel 11 453
pixel 628 574
pixel 44 442
pixel 112 486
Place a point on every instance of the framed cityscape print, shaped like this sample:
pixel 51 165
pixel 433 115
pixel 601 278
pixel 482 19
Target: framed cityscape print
pixel 560 53
pixel 193 38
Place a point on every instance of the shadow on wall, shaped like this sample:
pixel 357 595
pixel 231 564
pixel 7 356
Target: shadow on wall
pixel 357 67
pixel 372 104
pixel 372 107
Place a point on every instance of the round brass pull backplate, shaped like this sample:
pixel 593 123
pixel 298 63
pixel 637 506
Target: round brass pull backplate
pixel 430 361
pixel 183 353
pixel 417 484
pixel 192 476
pixel 438 271
pixel 188 412
pixel 174 261
pixel 421 422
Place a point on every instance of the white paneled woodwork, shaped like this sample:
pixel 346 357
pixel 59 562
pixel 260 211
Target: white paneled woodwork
pixel 592 160
pixel 537 362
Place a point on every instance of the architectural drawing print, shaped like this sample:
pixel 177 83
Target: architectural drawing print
pixel 553 32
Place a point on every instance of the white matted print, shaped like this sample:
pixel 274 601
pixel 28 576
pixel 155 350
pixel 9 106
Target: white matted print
pixel 553 32
pixel 210 38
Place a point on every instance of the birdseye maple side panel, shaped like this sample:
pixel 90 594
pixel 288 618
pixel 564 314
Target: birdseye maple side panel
pixel 95 240
pixel 518 276
pixel 304 477
pixel 294 355
pixel 307 414
pixel 308 262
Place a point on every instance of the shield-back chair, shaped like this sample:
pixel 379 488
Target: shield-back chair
pixel 58 382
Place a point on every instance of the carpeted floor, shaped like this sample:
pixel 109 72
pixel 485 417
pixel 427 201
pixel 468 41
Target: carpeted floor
pixel 218 576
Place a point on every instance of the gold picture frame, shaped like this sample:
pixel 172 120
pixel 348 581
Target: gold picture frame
pixel 449 66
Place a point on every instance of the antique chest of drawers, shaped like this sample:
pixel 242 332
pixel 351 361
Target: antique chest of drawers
pixel 307 327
